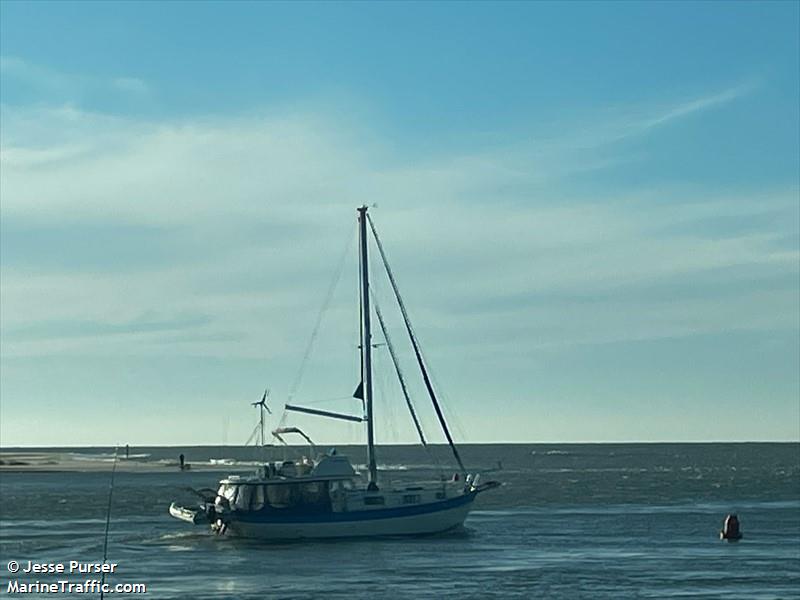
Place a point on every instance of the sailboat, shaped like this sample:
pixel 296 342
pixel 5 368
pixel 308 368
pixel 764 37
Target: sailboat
pixel 324 496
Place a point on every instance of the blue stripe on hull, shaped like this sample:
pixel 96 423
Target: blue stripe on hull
pixel 358 515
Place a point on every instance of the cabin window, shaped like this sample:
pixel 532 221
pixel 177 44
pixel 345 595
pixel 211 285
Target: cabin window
pixel 411 499
pixel 257 498
pixel 282 495
pixel 374 500
pixel 313 493
pixel 242 501
pixel 340 488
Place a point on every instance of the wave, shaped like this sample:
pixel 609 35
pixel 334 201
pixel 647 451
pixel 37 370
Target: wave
pixel 228 462
pixel 382 467
pixel 409 467
pixel 106 456
pixel 93 457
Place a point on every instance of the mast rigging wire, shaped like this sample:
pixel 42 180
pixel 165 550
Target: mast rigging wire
pixel 326 303
pixel 417 350
pixel 400 377
pixel 399 372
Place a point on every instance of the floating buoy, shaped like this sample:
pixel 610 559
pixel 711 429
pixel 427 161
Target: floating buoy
pixel 730 529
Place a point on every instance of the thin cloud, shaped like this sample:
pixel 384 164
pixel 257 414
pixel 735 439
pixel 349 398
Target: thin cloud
pixel 696 105
pixel 266 199
pixel 17 71
pixel 85 329
pixel 624 123
pixel 61 86
pixel 132 84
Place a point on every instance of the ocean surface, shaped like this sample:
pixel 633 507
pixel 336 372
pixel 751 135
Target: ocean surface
pixel 571 521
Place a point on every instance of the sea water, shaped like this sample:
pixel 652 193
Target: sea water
pixel 570 521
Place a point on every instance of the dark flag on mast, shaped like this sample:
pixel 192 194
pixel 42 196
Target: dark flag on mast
pixel 359 393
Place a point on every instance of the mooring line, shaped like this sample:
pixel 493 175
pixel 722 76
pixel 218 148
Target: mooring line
pixel 108 521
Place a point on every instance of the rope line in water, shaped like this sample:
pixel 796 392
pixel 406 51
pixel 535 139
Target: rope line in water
pixel 108 520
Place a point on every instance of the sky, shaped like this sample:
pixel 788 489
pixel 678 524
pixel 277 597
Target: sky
pixel 591 209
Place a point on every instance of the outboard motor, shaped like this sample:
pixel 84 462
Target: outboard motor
pixel 730 529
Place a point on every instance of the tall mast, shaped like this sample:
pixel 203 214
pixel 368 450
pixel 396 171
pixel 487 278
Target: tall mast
pixel 366 347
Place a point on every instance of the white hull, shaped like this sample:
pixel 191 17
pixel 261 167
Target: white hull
pixel 420 524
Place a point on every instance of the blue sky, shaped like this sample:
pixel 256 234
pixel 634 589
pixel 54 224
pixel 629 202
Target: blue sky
pixel 591 208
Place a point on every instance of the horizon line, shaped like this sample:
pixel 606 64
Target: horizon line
pixel 443 444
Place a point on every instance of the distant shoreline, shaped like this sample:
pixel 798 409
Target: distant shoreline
pixel 60 462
